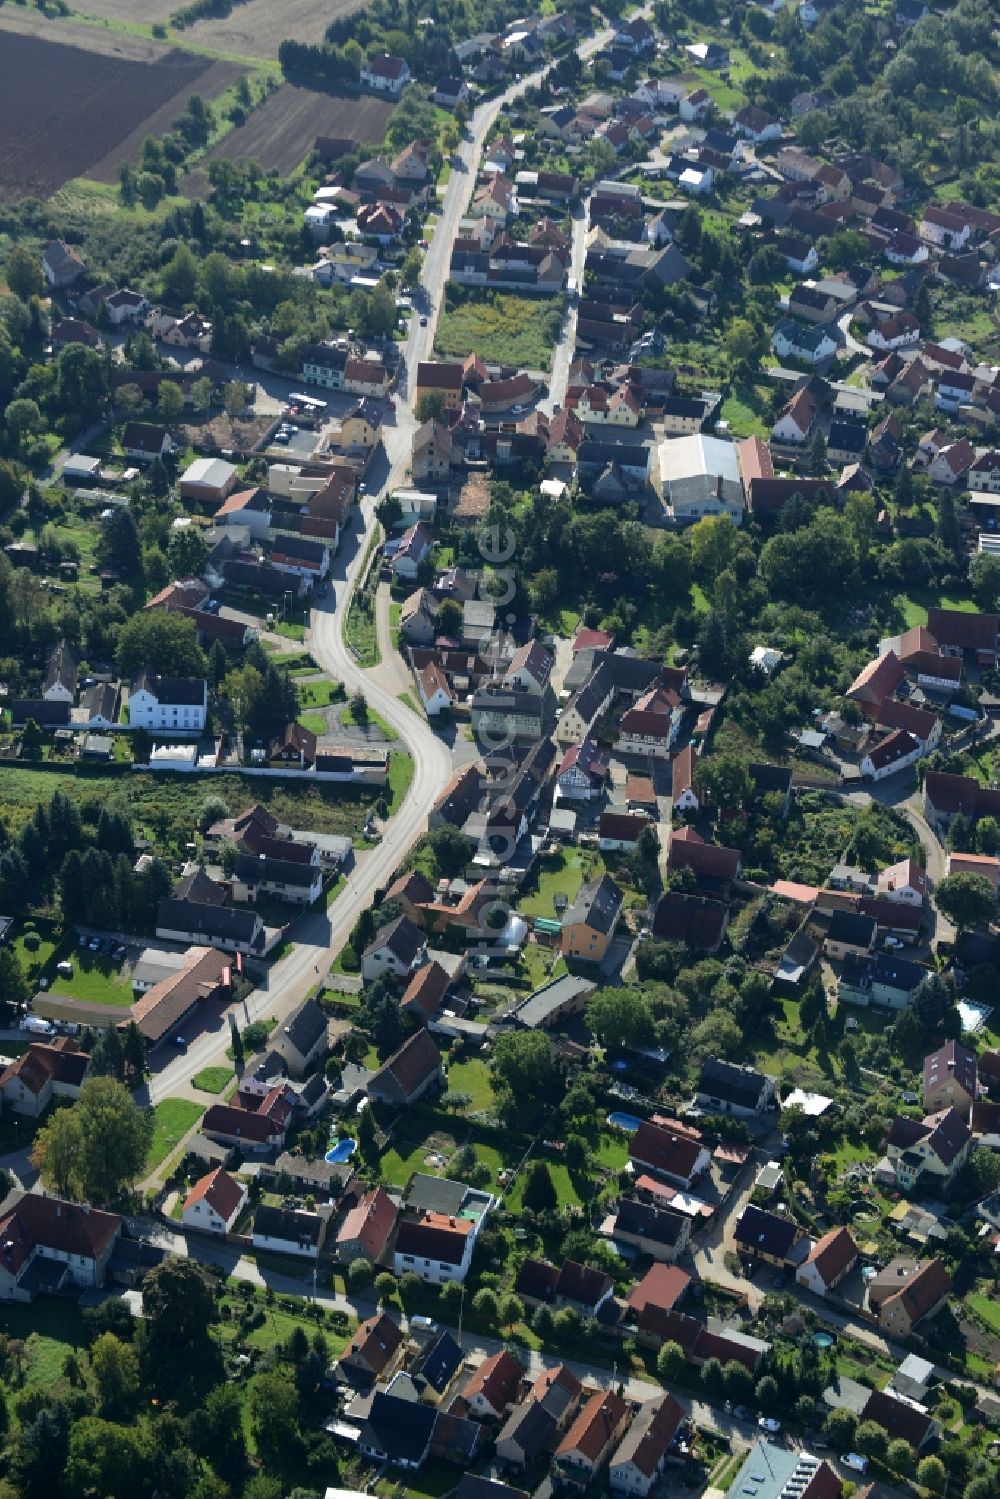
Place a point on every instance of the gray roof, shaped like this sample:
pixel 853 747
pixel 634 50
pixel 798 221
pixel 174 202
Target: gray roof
pixel 435 1194
pixel 183 690
pixel 402 937
pixel 253 869
pixel 537 1008
pixel 62 667
pixel 286 1223
pixel 597 905
pixel 306 1026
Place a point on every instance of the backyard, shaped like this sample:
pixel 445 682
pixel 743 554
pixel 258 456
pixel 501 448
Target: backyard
pixel 508 330
pixel 559 879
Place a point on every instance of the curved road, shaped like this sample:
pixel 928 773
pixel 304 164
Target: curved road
pixel 319 936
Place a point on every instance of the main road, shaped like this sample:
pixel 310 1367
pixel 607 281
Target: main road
pixel 321 935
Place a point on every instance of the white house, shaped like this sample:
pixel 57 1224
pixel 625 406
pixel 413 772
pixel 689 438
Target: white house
pixel 413 548
pixel 639 1460
pixel 796 421
pixel 177 705
pixel 947 231
pixel 831 1258
pixel 214 1203
pixel 288 1231
pixel 904 884
pixel 435 1246
pixel 385 74
pixel 435 693
pixel 808 344
pixel 891 755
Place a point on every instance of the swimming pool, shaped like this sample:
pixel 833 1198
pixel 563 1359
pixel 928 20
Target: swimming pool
pixel 628 1122
pixel 341 1152
pixel 823 1339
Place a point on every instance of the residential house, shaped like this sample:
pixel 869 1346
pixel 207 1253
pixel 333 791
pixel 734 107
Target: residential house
pixel 582 771
pixel 45 1071
pixel 588 927
pixel 906 1291
pixel 61 265
pixel 676 1154
pixel 944 230
pixel 950 1079
pixel 288 1231
pixel 374 1351
pixel 695 920
pixel 928 1152
pixel 807 345
pixel 770 1237
pixel 435 690
pixel 49 1243
pixel 398 1429
pixel 725 1088
pixel 904 883
pixel 979 864
pixel 385 74
pixel 214 1203
pixel 533 1427
pixel 302 1042
pixel 494 1386
pixel 951 463
pixel 797 418
pixel 437 1246
pixel 251 1122
pixel 413 547
pixel 891 755
pixel 710 861
pixel 593 1436
pixel 431 454
pixel 177 705
pixel 661 1232
pixel 829 1261
pixel 849 934
pixel 367 1228
pixel 903 1420
pixel 142 442
pixel 650 727
pixel 757 125
pixel 685 796
pixel 639 1460
pixel 62 674
pixel 413 1071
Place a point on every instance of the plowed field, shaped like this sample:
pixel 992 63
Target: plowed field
pixel 281 133
pixel 63 109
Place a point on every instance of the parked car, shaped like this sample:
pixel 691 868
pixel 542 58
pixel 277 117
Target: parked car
pixel 769 1424
pixel 856 1461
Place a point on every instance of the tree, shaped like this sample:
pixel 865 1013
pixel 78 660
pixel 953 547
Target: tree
pixel 741 341
pixel 738 1382
pixel 430 406
pixel 620 1018
pixel 116 1373
pixel 871 1439
pixel 187 553
pixel 107 1459
pixel 178 1304
pixel 932 1474
pixel 724 781
pixel 98 1146
pixel 669 1360
pixel 984 576
pixel 359 1274
pixel 14 987
pixel 899 1457
pixel 486 1305
pixel 524 1074
pixel 118 546
pixel 180 276
pixel 236 398
pixel 539 1194
pixel 274 1418
pixel 712 542
pixel 165 642
pixel 840 1426
pixel 967 899
pixel 23 419
pixel 24 274
pixel 170 401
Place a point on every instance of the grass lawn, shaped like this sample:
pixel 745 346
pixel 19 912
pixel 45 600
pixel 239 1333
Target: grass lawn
pixel 400 775
pixel 743 410
pixel 314 722
pixel 369 719
pixel 699 599
pixel 171 1121
pixel 913 607
pixel 409 1153
pixel 472 1077
pixel 34 964
pixel 395 614
pixel 411 702
pixel 212 1079
pixel 565 1190
pixel 318 694
pixel 562 875
pixel 987 1309
pixel 96 979
pixel 435 1478
pixel 50 1328
pixel 515 330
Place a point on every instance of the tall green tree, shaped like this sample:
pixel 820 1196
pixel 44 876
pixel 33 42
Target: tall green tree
pixel 96 1148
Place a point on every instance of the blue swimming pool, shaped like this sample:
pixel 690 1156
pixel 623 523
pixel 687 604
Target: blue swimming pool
pixel 341 1152
pixel 823 1339
pixel 628 1122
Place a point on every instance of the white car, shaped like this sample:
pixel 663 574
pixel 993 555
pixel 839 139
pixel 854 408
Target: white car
pixel 770 1425
pixel 856 1461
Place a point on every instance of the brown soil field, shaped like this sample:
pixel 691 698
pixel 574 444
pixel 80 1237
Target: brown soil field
pixel 88 38
pixel 281 132
pixel 258 27
pixel 62 109
pixel 210 83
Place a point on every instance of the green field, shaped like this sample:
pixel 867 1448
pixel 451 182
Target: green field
pixel 318 694
pixel 314 722
pixel 508 330
pixel 171 1121
pixel 96 979
pixel 212 1079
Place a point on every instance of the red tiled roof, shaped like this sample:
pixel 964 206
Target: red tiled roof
pixel 221 1191
pixel 662 1286
pixel 833 1255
